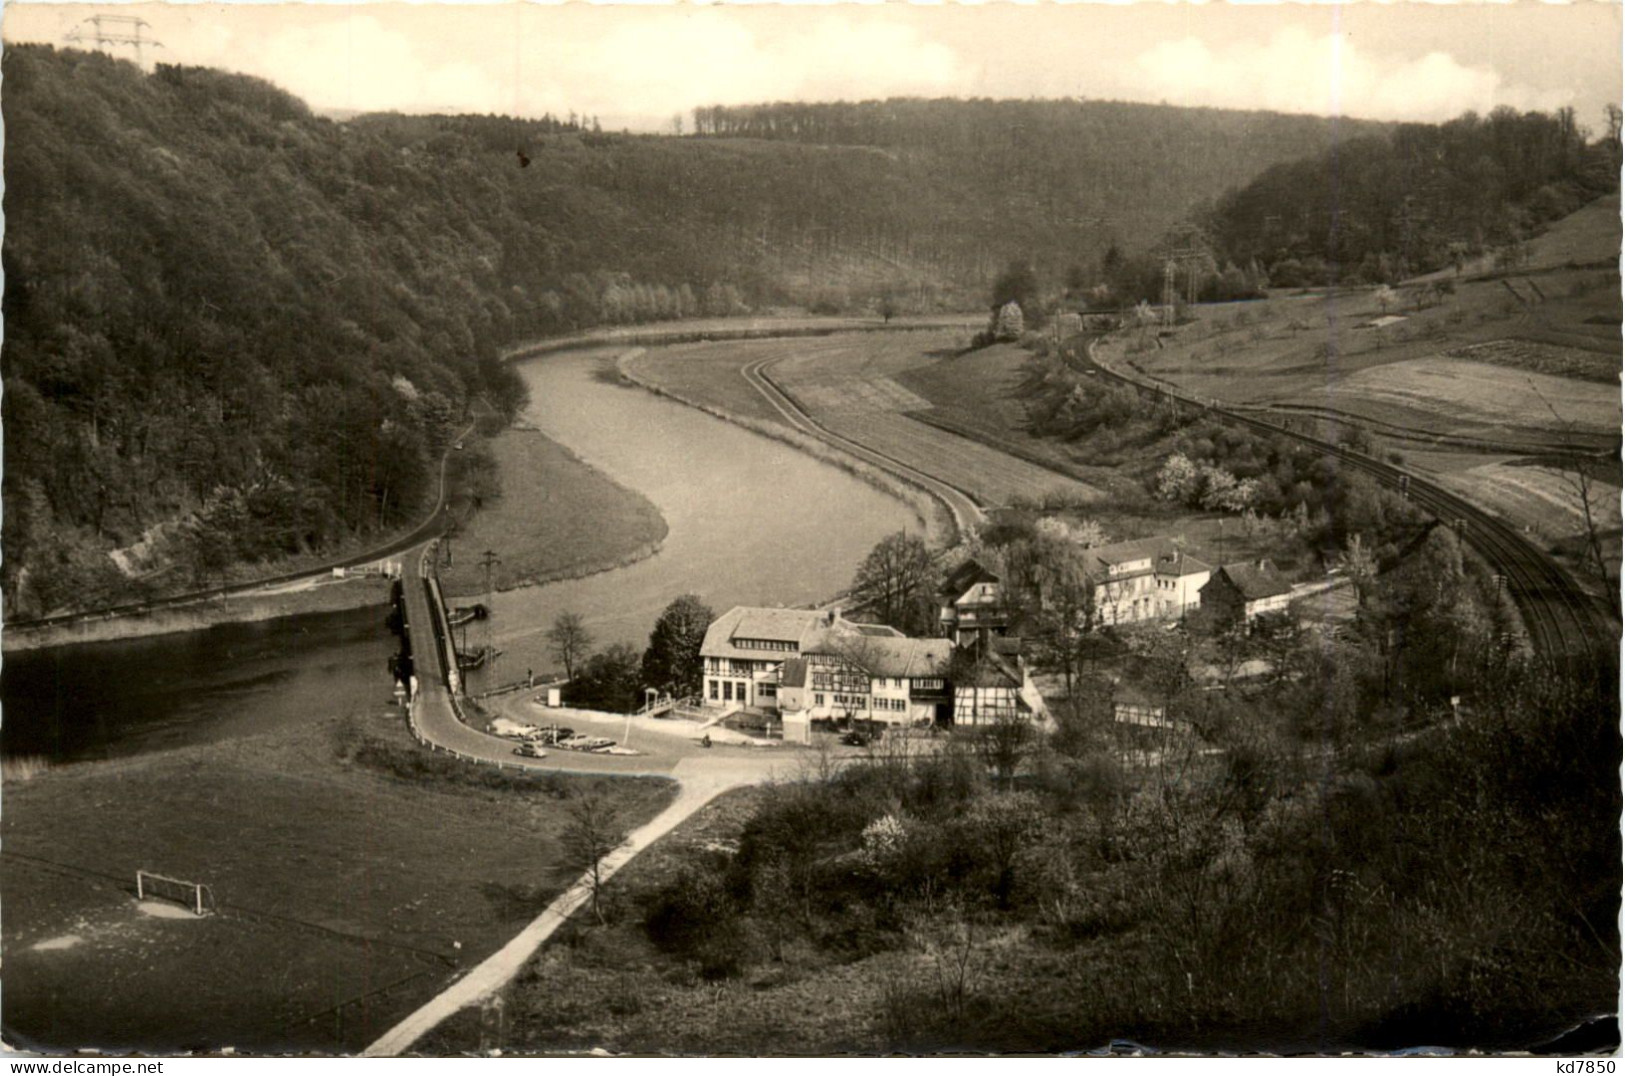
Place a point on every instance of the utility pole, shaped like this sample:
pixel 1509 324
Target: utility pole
pixel 489 560
pixel 106 31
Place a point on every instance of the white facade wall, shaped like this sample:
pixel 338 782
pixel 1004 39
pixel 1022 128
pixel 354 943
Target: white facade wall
pixel 746 681
pixel 1275 604
pixel 1149 596
pixel 1182 594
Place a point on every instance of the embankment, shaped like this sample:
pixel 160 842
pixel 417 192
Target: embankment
pixel 931 513
pixel 558 517
pixel 314 596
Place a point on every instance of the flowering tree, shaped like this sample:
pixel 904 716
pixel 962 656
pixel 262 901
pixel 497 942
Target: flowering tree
pixel 1179 479
pixel 1010 323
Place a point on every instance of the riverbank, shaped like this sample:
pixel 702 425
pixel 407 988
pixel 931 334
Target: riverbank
pixel 355 873
pixel 932 514
pixel 559 517
pixel 316 595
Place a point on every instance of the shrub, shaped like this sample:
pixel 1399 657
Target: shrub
pixel 694 916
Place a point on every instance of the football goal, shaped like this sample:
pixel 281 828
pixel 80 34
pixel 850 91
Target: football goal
pixel 194 895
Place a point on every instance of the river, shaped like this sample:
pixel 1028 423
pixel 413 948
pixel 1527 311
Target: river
pixel 752 521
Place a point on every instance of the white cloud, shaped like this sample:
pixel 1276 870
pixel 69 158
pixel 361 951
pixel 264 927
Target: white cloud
pixel 665 63
pixel 1296 72
pixel 361 64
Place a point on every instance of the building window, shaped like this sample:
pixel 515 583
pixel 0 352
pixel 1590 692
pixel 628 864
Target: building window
pixel 727 691
pixel 818 700
pixel 713 686
pixel 766 691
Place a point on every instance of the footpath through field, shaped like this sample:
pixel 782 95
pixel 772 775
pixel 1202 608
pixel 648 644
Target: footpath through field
pixel 701 777
pixel 697 789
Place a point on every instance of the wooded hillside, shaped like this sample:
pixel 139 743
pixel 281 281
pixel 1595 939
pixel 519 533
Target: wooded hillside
pixel 237 331
pixel 1378 209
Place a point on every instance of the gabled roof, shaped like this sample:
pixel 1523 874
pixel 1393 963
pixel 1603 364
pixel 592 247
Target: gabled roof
pixel 890 656
pixel 1165 555
pixel 1008 645
pixel 966 576
pixel 797 626
pixel 746 622
pixel 1255 580
pixel 780 625
pixel 990 670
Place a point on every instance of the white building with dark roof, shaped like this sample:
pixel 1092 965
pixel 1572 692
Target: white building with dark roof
pixel 745 650
pixel 1146 579
pixel 818 664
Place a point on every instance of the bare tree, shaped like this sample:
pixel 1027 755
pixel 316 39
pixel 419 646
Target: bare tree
pixel 1577 476
pixel 569 641
pixel 591 833
pixel 949 939
pixel 1360 565
pixel 897 583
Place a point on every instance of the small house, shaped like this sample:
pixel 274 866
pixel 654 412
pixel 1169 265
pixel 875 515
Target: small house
pixel 1240 593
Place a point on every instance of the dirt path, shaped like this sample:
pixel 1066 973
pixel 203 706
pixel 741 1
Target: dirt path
pixel 701 778
pixel 700 785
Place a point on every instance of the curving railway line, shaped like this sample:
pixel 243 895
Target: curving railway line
pixel 1562 620
pixel 964 509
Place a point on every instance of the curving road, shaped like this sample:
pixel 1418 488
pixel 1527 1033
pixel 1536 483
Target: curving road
pixel 966 512
pixel 701 775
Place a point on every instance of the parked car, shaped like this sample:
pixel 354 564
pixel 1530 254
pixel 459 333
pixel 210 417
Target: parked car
pixel 531 749
pixel 513 729
pixel 855 739
pixel 552 734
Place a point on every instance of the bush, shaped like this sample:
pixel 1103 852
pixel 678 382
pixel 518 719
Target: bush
pixel 694 916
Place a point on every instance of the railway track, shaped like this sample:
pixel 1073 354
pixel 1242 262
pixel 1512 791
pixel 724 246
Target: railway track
pixel 964 509
pixel 1562 620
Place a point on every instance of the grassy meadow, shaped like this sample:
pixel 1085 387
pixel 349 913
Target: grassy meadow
pixel 557 517
pixel 355 875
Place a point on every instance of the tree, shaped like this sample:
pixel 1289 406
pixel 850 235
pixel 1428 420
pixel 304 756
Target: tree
pixel 1359 565
pixel 1001 828
pixel 672 661
pixel 607 681
pixel 1008 325
pixel 897 583
pixel 590 833
pixel 569 641
pixel 1017 284
pixel 1068 617
pixel 1179 479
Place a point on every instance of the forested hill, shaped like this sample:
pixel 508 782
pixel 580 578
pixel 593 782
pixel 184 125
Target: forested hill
pixel 237 331
pixel 222 315
pixel 1421 197
pixel 1060 181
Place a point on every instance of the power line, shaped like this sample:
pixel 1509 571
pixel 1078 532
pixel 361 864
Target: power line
pixel 105 31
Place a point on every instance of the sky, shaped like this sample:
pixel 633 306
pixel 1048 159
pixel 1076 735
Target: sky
pixel 640 66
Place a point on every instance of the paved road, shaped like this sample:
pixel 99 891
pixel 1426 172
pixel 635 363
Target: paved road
pixel 667 748
pixel 702 774
pixel 964 509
